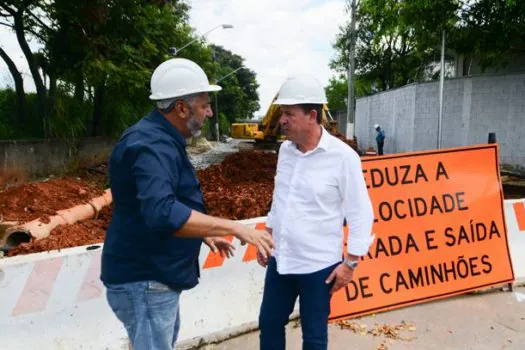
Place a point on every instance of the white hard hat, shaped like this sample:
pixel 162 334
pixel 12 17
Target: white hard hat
pixel 376 126
pixel 179 77
pixel 302 89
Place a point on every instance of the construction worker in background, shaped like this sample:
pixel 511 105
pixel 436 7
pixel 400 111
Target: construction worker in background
pixel 380 139
pixel 152 245
pixel 319 183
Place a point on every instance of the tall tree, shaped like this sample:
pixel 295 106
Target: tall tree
pixel 19 88
pixel 23 16
pixel 119 43
pixel 399 40
pixel 98 57
pixel 394 46
pixel 491 31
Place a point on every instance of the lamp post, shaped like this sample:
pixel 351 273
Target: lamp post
pixel 174 51
pixel 350 111
pixel 441 85
pixel 217 134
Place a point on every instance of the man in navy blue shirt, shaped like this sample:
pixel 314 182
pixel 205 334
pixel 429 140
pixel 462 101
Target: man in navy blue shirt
pixel 159 219
pixel 380 139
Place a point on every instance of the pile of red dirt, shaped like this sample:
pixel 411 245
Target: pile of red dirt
pixel 241 186
pixel 34 200
pixel 238 188
pixel 91 231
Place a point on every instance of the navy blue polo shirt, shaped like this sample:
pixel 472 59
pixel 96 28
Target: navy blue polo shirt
pixel 154 188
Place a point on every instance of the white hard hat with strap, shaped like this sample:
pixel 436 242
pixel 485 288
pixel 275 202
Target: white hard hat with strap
pixel 302 89
pixel 178 77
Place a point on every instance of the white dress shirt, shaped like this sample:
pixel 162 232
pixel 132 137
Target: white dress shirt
pixel 314 192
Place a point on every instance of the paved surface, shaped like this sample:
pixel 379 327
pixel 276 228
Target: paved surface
pixel 490 320
pixel 206 153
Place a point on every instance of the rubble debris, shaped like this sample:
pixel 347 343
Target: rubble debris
pixel 388 331
pixel 350 142
pixel 382 346
pixel 513 187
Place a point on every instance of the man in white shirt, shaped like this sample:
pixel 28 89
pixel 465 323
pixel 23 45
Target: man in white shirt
pixel 319 183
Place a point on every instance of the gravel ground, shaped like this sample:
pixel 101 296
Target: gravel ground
pixel 214 155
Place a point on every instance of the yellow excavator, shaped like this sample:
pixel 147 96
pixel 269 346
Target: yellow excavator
pixel 269 131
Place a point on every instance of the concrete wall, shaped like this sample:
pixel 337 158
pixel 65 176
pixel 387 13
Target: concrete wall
pixel 473 107
pixel 20 160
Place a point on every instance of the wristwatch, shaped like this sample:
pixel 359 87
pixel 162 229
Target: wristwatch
pixel 352 264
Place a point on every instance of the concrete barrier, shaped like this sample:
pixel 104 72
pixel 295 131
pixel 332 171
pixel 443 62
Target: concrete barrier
pixel 515 219
pixel 55 300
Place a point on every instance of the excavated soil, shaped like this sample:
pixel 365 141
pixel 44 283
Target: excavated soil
pixel 240 187
pixel 352 143
pixel 85 232
pixel 35 200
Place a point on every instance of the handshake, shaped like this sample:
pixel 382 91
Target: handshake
pixel 262 240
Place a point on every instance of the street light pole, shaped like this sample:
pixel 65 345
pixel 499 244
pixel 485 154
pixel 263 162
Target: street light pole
pixel 350 111
pixel 227 75
pixel 441 86
pixel 217 133
pixel 174 51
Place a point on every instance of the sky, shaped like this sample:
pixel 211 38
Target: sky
pixel 277 38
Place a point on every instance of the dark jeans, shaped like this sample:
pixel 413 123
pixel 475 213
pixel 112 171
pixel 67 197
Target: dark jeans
pixel 380 145
pixel 280 294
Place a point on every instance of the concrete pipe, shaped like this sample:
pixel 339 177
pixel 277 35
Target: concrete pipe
pixel 15 235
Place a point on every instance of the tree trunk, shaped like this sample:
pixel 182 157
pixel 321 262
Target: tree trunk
pixel 20 93
pixel 33 67
pixel 79 88
pixel 52 94
pixel 100 91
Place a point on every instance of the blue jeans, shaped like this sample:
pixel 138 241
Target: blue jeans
pixel 280 294
pixel 149 311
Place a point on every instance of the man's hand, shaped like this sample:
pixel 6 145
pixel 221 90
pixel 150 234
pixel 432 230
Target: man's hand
pixel 260 239
pixel 263 261
pixel 220 245
pixel 342 275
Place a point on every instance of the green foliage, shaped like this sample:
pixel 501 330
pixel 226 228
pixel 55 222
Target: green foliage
pixel 68 120
pixel 9 128
pixel 69 117
pixel 206 128
pixel 7 113
pixel 398 41
pixel 224 124
pixel 337 91
pixel 98 57
pixel 492 31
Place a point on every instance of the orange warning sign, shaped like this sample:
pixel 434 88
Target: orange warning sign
pixel 439 226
